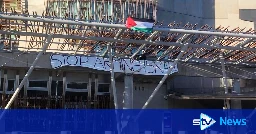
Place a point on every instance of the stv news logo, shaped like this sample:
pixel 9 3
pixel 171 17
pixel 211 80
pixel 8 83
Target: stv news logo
pixel 204 122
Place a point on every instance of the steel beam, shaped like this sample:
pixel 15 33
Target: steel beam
pixel 207 61
pixel 232 73
pixel 214 73
pixel 183 49
pixel 214 33
pixel 238 45
pixel 128 91
pixel 107 39
pixel 193 50
pixel 225 82
pixel 61 21
pixel 119 33
pixel 242 44
pixel 113 82
pixel 47 42
pixel 113 86
pixel 236 104
pixel 200 69
pixel 224 73
pixel 246 58
pixel 180 40
pixel 144 45
pixel 249 73
pixel 160 29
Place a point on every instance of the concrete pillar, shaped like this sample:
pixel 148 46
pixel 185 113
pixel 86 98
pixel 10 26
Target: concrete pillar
pixel 128 91
pixel 89 91
pixel 49 88
pixel 64 89
pixel 96 80
pixel 236 104
pixel 131 127
pixel 5 85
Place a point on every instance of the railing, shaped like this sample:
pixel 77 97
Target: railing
pixel 56 102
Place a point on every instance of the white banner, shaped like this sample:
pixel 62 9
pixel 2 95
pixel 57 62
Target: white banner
pixel 144 67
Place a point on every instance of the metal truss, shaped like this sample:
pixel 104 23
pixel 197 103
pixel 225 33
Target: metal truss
pixel 171 43
pixel 92 38
pixel 16 93
pixel 183 49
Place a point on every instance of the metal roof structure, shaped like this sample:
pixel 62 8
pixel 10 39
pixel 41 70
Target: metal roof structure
pixel 91 38
pixel 177 43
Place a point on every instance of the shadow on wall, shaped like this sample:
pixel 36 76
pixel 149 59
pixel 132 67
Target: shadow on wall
pixel 248 15
pixel 1 4
pixel 199 12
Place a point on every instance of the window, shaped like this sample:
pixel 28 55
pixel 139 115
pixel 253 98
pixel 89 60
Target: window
pixel 10 85
pixel 58 85
pixel 103 88
pixel 37 83
pixel 2 83
pixel 74 85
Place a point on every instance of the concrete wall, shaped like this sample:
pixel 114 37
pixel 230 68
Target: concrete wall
pixel 197 85
pixel 36 6
pixel 201 12
pixel 185 11
pixel 141 96
pixel 211 12
pixel 227 13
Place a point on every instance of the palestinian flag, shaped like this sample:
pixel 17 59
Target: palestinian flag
pixel 141 25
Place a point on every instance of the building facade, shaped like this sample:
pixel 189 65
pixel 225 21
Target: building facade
pixel 215 13
pixel 73 87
